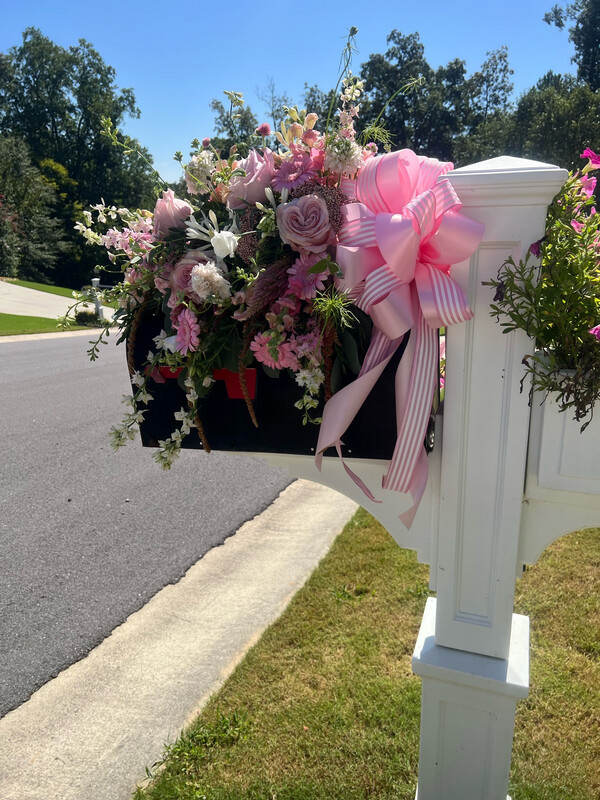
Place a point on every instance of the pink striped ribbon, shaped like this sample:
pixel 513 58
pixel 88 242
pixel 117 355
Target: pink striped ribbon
pixel 395 250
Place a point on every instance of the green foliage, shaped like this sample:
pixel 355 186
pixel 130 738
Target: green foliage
pixel 88 319
pixel 53 99
pixel 557 301
pixel 553 119
pixel 235 126
pixel 443 107
pixel 585 35
pixel 30 234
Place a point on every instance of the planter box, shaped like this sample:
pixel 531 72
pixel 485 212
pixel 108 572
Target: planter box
pixel 568 460
pixel 228 426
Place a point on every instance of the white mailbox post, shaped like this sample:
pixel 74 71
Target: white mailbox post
pixel 488 507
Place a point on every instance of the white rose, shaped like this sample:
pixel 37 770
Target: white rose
pixel 224 243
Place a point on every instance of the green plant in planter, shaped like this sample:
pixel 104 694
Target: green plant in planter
pixel 554 296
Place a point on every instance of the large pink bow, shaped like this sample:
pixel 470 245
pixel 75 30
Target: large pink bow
pixel 395 250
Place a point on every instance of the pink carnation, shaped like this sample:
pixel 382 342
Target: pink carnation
pixel 188 331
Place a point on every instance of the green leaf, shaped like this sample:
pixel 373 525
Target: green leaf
pixel 272 373
pixel 336 376
pixel 350 350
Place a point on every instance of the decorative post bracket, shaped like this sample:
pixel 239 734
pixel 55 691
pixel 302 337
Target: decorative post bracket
pixel 473 526
pixel 473 652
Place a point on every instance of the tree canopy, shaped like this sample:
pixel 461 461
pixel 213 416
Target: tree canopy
pixel 53 99
pixel 585 35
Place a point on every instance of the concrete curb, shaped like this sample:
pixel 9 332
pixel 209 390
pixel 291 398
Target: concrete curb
pixel 28 337
pixel 90 732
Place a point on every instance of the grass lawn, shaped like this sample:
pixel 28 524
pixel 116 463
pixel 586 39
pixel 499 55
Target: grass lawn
pixel 13 324
pixel 325 706
pixel 42 287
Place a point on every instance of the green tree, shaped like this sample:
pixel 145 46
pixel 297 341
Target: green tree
pixel 585 35
pixel 30 233
pixel 444 107
pixel 234 126
pixel 54 98
pixel 555 120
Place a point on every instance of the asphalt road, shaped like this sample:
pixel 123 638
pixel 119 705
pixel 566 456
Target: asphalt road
pixel 88 535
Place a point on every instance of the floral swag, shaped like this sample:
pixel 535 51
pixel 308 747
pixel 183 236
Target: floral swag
pixel 273 258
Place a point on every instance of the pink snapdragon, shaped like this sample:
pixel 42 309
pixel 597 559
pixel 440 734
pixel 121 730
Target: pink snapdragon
pixel 188 332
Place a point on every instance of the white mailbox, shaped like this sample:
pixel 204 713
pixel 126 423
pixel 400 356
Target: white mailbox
pixel 505 480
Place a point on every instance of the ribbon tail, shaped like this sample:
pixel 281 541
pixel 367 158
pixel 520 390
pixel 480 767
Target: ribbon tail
pixel 415 386
pixel 341 409
pixel 417 489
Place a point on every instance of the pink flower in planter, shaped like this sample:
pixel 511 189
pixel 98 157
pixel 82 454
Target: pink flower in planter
pixel 589 185
pixel 577 226
pixel 594 159
pixel 595 331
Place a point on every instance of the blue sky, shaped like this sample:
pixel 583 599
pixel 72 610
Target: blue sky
pixel 178 56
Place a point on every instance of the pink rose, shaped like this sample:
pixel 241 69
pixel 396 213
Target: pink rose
pixel 169 212
pixel 250 188
pixel 304 224
pixel 180 279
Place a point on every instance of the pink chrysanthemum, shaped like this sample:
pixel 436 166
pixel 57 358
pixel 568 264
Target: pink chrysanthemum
pixel 188 332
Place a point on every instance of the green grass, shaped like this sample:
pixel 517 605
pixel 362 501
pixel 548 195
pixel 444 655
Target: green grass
pixel 325 706
pixel 14 324
pixel 42 287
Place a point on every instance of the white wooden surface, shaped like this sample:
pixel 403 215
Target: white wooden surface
pixel 486 418
pixel 505 482
pixel 562 484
